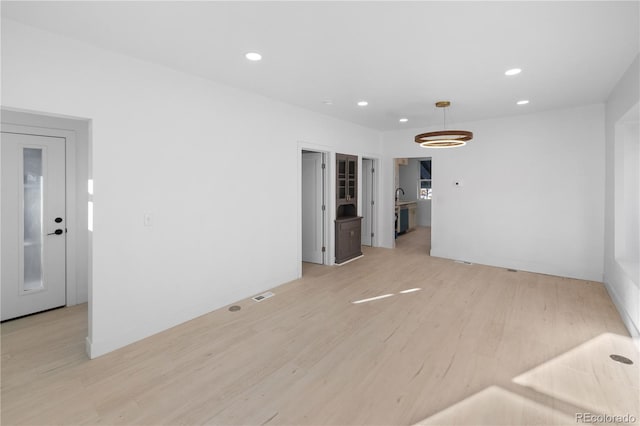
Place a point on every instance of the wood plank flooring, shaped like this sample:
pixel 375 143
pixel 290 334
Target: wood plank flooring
pixel 309 356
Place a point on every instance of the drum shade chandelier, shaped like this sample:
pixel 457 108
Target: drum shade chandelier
pixel 444 138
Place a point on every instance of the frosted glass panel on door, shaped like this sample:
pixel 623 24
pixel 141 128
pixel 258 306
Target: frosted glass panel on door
pixel 32 218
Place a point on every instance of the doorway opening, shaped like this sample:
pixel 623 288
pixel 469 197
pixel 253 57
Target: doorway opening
pixel 413 202
pixel 313 210
pixel 45 169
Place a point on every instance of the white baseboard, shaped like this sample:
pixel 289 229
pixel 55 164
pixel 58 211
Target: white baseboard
pixel 626 319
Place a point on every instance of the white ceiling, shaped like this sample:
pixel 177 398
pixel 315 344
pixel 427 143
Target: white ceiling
pixel 399 56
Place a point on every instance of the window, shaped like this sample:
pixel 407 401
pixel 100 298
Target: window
pixel 424 184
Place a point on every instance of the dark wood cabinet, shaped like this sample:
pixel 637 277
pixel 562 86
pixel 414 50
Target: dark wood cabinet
pixel 348 238
pixel 348 223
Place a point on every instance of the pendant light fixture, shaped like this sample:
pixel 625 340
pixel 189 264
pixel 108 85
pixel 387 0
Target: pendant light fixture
pixel 444 138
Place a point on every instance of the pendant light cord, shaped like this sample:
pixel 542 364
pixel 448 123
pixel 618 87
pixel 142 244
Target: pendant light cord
pixel 444 118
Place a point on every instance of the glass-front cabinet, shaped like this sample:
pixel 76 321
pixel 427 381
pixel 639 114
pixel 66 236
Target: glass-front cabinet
pixel 348 223
pixel 352 165
pixel 341 178
pixel 347 178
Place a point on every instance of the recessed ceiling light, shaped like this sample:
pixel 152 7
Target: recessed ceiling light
pixel 327 102
pixel 513 71
pixel 253 56
pixel 403 120
pixel 363 103
pixel 523 102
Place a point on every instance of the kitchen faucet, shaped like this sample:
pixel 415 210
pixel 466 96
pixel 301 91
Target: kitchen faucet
pixel 399 189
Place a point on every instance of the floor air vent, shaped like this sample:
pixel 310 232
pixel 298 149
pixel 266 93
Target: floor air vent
pixel 464 262
pixel 512 270
pixel 261 297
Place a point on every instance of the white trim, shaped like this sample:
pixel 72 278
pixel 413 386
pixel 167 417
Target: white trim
pixel 43 114
pixel 70 188
pixel 375 183
pixel 88 347
pixel 325 200
pixel 620 307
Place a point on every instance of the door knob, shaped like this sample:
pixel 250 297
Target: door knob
pixel 56 232
pixel 57 220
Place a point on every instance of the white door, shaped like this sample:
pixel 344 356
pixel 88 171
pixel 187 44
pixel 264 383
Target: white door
pixel 312 207
pixel 367 202
pixel 33 224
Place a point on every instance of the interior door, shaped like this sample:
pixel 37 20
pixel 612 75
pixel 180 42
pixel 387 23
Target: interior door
pixel 367 202
pixel 33 276
pixel 312 207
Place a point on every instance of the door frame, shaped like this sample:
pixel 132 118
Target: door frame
pixel 327 157
pixel 374 194
pixel 395 168
pixel 70 197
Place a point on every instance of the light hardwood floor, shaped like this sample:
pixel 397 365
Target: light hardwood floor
pixel 474 337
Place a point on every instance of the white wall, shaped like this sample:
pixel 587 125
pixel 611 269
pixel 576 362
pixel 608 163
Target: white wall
pixel 174 146
pixel 532 197
pixel 623 289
